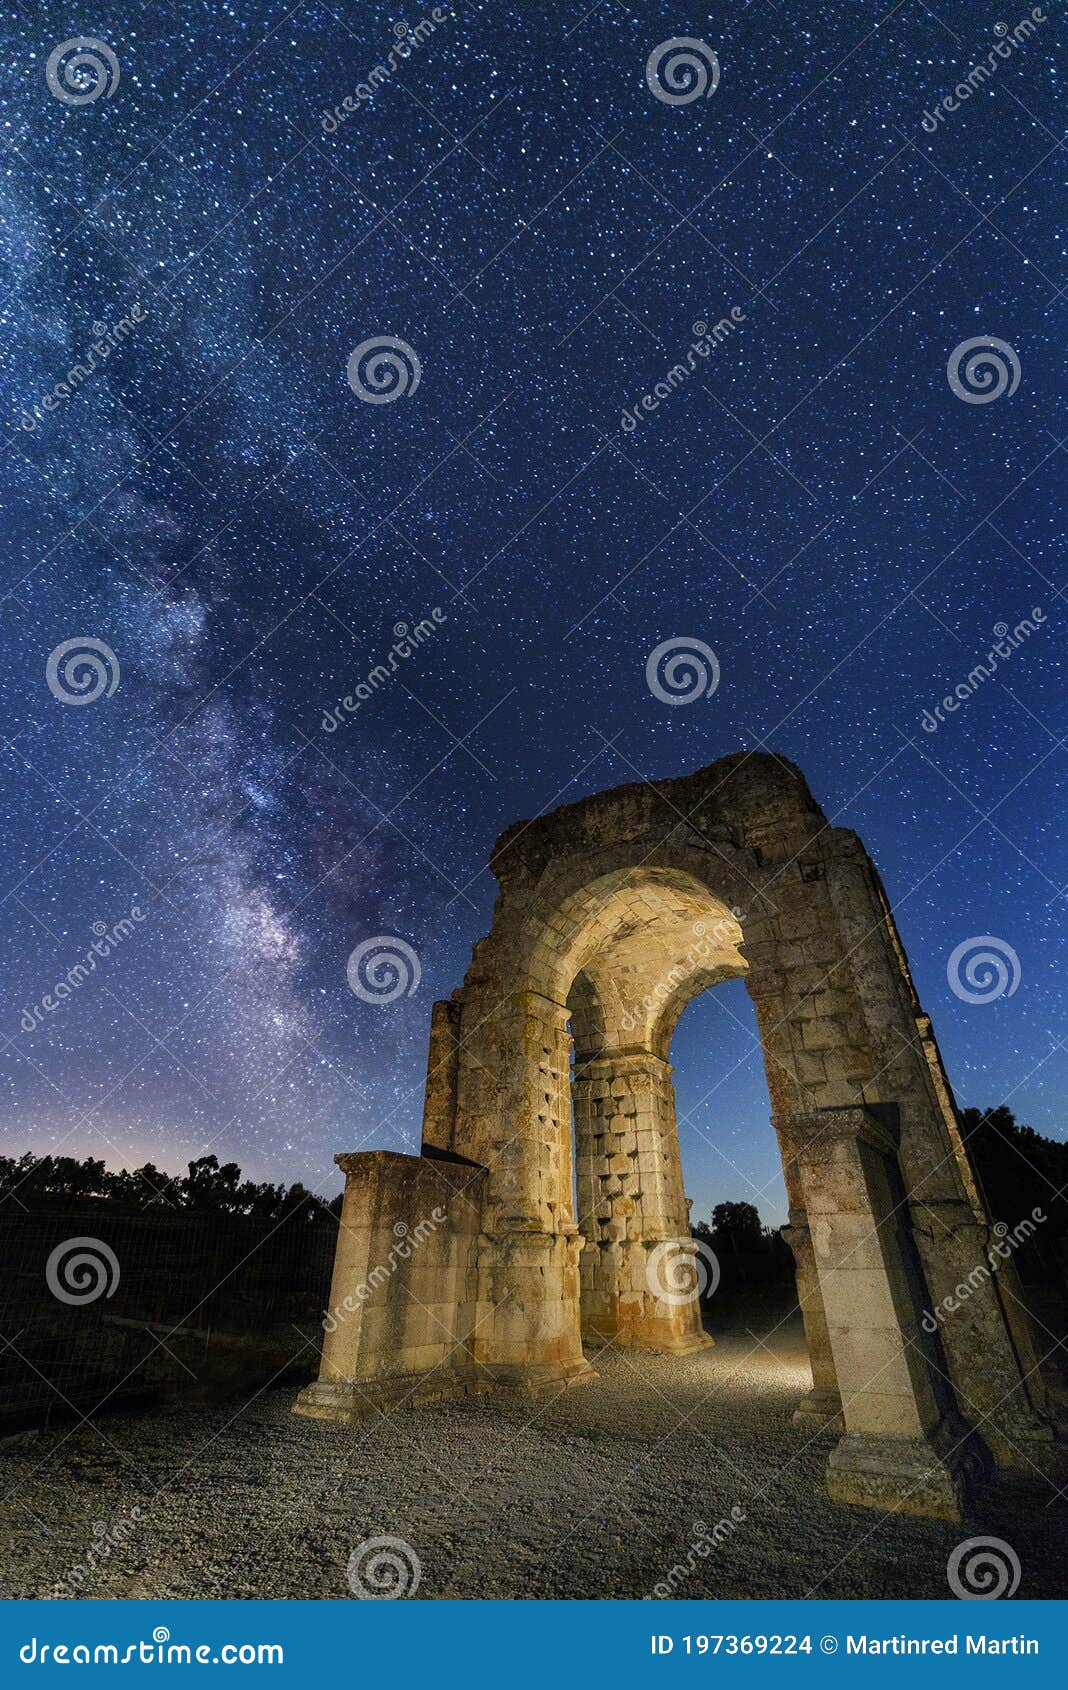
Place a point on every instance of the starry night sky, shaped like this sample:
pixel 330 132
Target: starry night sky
pixel 219 507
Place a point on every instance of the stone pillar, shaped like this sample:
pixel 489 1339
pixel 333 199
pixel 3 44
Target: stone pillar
pixel 822 1406
pixel 528 1337
pixel 403 1300
pixel 904 1447
pixel 1030 1414
pixel 789 1073
pixel 442 1072
pixel 986 1352
pixel 640 1276
pixel 984 1333
pixel 512 1107
pixel 513 1113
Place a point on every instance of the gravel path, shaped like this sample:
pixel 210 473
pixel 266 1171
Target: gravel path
pixel 595 1494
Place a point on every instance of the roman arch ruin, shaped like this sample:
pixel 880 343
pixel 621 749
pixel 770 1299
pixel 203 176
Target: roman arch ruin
pixel 471 1268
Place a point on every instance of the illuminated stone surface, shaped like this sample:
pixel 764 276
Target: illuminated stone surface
pixel 466 1269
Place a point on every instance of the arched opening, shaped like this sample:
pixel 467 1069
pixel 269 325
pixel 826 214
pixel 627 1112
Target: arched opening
pixel 729 1149
pixel 733 1173
pixel 645 943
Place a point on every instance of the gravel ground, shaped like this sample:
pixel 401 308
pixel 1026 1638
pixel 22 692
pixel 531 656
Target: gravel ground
pixel 595 1494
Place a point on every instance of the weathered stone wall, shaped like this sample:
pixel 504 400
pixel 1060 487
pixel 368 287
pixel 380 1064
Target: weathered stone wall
pixel 404 1298
pixel 613 913
pixel 630 1199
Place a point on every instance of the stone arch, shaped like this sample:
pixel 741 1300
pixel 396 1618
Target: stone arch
pixel 625 953
pixel 612 914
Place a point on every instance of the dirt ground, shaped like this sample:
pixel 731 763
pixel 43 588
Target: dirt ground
pixel 599 1493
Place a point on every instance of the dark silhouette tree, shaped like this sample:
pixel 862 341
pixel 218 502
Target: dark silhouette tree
pixel 1022 1172
pixel 30 1183
pixel 752 1257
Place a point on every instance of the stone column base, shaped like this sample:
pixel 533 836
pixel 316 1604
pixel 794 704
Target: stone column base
pixel 1026 1442
pixel 820 1410
pixel 934 1476
pixel 656 1342
pixel 352 1400
pixel 540 1379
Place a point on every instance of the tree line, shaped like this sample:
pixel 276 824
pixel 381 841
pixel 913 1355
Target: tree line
pixel 36 1184
pixel 1019 1169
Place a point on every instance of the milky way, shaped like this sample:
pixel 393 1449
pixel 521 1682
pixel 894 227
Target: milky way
pixel 209 496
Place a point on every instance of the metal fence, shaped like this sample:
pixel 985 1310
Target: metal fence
pixel 99 1308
